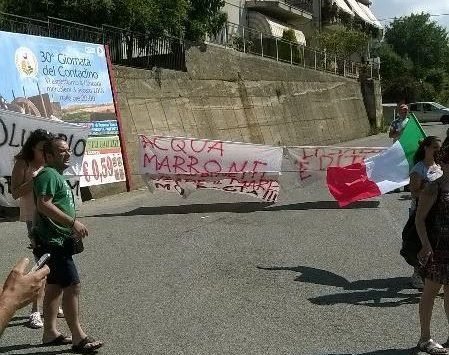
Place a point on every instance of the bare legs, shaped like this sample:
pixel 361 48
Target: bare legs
pixel 70 305
pixel 446 307
pixel 426 303
pixel 38 301
pixel 51 303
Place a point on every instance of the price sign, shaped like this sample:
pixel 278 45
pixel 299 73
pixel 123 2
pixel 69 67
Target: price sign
pixel 101 169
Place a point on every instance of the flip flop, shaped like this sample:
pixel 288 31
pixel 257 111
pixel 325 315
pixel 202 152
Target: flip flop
pixel 59 340
pixel 431 347
pixel 87 346
pixel 446 344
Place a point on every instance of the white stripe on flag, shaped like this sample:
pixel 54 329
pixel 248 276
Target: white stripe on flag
pixel 389 169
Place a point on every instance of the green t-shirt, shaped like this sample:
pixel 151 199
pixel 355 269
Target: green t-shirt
pixel 49 182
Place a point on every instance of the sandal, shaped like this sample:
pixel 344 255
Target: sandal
pixel 446 344
pixel 59 340
pixel 87 346
pixel 431 347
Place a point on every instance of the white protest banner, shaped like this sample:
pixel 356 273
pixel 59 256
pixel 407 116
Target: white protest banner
pixel 311 162
pixel 74 184
pixel 16 127
pixel 185 164
pixel 14 130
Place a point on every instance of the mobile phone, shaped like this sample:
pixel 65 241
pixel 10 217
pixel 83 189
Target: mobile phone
pixel 40 263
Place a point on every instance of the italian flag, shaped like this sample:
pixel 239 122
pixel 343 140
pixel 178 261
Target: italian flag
pixel 378 174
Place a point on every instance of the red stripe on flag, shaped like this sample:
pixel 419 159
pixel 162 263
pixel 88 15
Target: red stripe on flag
pixel 350 183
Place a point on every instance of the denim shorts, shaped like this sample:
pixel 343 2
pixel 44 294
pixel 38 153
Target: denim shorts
pixel 63 271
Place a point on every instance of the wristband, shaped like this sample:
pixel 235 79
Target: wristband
pixel 73 223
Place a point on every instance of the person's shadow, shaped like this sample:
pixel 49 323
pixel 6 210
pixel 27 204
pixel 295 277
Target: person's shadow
pixel 368 293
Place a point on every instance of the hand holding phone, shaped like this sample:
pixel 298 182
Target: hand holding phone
pixel 40 263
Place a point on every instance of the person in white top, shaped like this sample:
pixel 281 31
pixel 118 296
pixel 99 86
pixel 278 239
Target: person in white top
pixel 28 163
pixel 424 171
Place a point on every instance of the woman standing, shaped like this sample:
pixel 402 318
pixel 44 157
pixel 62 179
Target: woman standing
pixel 432 225
pixel 27 165
pixel 424 170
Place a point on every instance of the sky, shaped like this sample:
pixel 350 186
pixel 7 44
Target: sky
pixel 385 9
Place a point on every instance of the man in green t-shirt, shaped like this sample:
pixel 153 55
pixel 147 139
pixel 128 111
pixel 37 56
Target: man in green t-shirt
pixel 56 221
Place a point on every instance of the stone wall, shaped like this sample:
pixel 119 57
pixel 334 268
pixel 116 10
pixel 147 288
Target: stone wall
pixel 232 96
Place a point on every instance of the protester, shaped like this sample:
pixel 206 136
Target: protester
pixel 19 290
pixel 28 163
pixel 432 224
pixel 424 170
pixel 56 223
pixel 398 124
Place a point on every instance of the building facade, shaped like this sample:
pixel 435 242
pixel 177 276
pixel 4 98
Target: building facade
pixel 304 17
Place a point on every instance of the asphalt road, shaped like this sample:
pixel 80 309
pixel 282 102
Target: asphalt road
pixel 223 274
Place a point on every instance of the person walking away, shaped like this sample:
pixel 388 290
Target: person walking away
pixel 432 225
pixel 28 163
pixel 424 171
pixel 56 222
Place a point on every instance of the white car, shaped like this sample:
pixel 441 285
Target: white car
pixel 430 112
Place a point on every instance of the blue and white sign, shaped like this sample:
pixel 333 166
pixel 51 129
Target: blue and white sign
pixel 54 78
pixel 51 83
pixel 103 128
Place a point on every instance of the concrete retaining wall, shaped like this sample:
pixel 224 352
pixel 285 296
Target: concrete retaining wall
pixel 232 96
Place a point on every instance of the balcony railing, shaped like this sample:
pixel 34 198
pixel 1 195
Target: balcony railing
pixel 281 8
pixel 249 41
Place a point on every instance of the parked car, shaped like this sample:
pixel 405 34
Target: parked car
pixel 430 112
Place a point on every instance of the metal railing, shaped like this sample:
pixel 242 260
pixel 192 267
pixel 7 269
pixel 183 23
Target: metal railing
pixel 247 40
pixel 306 5
pixel 126 47
pixel 145 51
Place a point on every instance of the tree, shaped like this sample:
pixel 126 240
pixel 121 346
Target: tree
pixel 150 16
pixel 289 35
pixel 418 38
pixel 343 41
pixel 90 12
pixel 289 51
pixel 204 17
pixel 414 60
pixel 189 18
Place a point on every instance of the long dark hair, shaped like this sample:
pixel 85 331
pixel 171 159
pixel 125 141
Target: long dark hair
pixel 27 153
pixel 423 144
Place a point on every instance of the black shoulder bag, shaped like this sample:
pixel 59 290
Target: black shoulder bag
pixel 411 244
pixel 73 244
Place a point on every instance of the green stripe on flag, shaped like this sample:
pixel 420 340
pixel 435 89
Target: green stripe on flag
pixel 410 138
